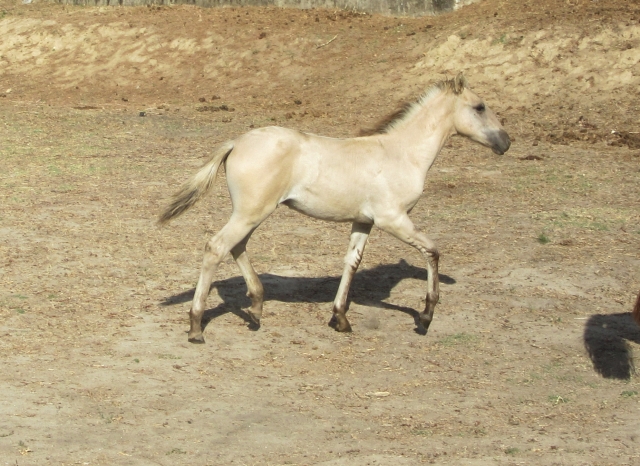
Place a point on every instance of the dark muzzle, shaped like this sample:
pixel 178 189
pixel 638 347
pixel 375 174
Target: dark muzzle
pixel 499 141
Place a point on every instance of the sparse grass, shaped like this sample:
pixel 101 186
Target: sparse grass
pixel 109 418
pixel 503 39
pixel 458 339
pixel 571 378
pixel 54 170
pixel 557 399
pixel 511 450
pixel 543 238
pixel 23 448
pixel 629 393
pixel 176 451
pixel 533 378
pixel 168 356
pixel 64 188
pixel 595 219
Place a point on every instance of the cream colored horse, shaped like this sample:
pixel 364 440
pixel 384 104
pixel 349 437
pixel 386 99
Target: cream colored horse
pixel 372 180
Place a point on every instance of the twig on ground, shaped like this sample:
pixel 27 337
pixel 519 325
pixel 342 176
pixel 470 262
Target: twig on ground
pixel 327 43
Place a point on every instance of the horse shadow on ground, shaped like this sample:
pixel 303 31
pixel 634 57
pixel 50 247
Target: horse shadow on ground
pixel 370 287
pixel 606 339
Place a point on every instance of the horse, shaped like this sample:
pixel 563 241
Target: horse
pixel 367 180
pixel 636 311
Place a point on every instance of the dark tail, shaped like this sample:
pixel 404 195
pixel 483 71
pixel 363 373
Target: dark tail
pixel 197 186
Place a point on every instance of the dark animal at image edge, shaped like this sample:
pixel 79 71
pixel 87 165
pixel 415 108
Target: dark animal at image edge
pixel 370 180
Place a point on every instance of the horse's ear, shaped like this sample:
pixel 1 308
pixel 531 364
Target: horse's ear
pixel 459 83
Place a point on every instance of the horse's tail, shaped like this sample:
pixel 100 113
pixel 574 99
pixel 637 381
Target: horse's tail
pixel 636 310
pixel 197 186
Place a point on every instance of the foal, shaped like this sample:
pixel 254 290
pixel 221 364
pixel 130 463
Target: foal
pixel 372 180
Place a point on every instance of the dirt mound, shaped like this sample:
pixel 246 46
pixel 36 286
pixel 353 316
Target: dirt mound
pixel 547 64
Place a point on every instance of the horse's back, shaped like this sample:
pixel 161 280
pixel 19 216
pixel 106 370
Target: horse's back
pixel 318 176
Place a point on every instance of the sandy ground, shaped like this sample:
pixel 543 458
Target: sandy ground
pixel 530 359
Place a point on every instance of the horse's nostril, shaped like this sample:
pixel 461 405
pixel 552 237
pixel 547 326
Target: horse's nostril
pixel 500 141
pixel 506 139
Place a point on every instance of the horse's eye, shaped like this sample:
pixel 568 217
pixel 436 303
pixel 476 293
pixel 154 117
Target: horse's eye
pixel 479 108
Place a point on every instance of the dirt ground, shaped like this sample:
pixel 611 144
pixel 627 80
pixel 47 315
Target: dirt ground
pixel 530 358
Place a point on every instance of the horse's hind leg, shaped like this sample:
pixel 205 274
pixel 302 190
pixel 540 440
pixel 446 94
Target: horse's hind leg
pixel 234 232
pixel 255 291
pixel 359 234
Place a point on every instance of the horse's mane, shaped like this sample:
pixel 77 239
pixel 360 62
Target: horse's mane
pixel 407 109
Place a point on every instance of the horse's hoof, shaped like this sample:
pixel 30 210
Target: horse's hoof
pixel 199 339
pixel 254 319
pixel 335 324
pixel 423 327
pixel 254 322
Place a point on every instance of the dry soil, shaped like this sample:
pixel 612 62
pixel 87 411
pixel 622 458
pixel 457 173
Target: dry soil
pixel 530 359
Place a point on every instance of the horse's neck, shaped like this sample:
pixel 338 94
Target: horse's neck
pixel 420 139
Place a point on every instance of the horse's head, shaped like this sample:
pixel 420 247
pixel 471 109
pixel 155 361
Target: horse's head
pixel 475 120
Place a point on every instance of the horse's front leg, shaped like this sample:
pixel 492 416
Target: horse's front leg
pixel 359 234
pixel 402 228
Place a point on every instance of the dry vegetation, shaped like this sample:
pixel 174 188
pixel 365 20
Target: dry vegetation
pixel 530 359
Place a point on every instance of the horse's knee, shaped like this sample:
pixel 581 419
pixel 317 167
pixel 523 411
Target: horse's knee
pixel 214 252
pixel 212 247
pixel 353 258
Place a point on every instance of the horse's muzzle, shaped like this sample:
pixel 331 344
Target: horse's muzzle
pixel 499 141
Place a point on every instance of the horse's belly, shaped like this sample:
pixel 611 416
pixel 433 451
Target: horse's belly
pixel 330 209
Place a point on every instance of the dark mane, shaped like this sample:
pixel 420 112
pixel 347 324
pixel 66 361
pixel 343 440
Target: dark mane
pixel 386 123
pixel 455 85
